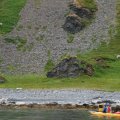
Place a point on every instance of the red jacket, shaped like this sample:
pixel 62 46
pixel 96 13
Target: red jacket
pixel 109 109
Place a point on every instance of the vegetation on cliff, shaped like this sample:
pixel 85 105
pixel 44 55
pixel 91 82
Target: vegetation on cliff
pixel 9 14
pixel 81 15
pixel 90 4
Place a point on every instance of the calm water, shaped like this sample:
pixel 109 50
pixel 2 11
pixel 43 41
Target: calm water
pixel 48 115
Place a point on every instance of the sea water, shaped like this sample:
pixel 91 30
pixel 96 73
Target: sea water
pixel 37 114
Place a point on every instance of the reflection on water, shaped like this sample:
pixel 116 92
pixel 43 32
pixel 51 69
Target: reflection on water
pixel 48 115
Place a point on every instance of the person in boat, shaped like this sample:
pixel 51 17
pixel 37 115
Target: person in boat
pixel 100 108
pixel 109 109
pixel 105 109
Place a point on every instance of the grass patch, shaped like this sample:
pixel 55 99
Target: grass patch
pixel 41 82
pixel 70 38
pixel 9 14
pixel 19 42
pixel 40 38
pixel 49 65
pixel 90 4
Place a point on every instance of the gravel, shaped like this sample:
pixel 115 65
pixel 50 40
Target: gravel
pixel 63 96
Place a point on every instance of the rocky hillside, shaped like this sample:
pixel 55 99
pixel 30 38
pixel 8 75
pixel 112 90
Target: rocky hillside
pixel 40 37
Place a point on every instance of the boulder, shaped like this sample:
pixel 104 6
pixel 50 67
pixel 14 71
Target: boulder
pixel 71 67
pixel 73 24
pixel 2 79
pixel 66 68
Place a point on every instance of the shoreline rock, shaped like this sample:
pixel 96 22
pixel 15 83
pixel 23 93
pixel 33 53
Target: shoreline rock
pixel 54 105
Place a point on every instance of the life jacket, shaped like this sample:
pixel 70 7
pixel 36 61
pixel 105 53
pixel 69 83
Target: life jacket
pixel 105 109
pixel 109 109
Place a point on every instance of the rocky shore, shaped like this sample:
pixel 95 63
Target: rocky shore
pixel 63 99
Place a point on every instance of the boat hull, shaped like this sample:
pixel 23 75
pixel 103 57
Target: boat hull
pixel 105 114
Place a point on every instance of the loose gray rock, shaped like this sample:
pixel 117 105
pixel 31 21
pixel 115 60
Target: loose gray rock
pixel 61 97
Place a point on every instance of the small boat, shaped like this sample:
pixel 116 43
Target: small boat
pixel 117 114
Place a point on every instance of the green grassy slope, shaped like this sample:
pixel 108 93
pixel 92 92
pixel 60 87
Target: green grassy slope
pixel 9 14
pixel 108 83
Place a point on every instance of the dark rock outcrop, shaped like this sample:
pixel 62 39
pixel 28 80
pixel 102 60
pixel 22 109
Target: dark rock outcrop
pixel 2 79
pixel 73 24
pixel 71 67
pixel 78 18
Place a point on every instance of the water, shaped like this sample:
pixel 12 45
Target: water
pixel 49 115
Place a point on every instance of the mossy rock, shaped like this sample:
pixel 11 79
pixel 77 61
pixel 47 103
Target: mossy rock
pixel 73 24
pixel 82 12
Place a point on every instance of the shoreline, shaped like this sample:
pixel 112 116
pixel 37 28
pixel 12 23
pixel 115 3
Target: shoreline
pixel 48 106
pixel 57 99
